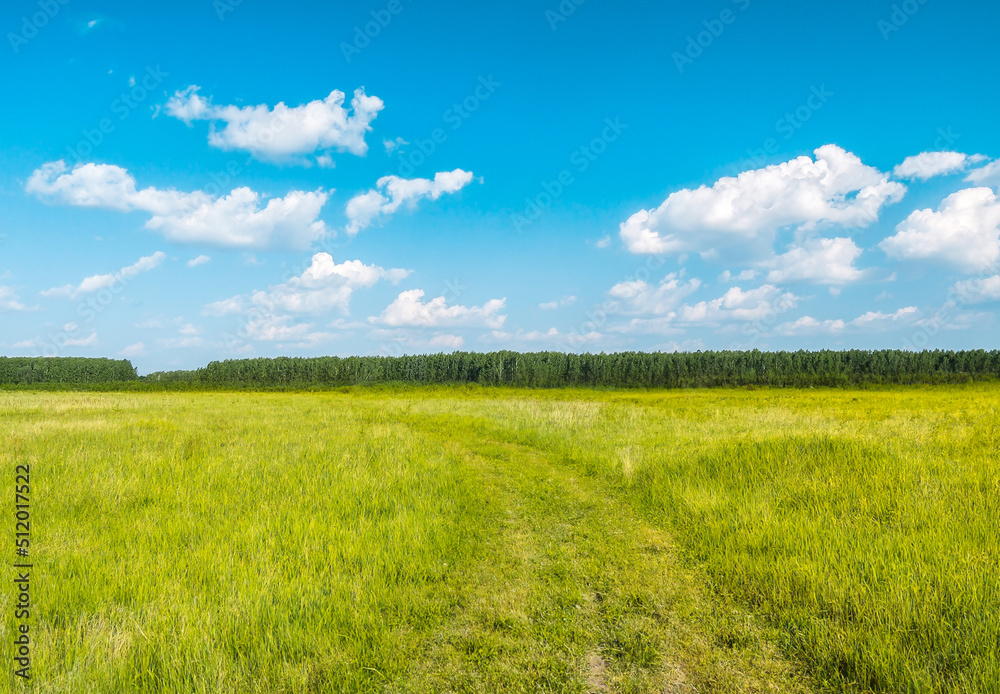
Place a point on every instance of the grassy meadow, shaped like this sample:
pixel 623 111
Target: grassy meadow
pixel 465 539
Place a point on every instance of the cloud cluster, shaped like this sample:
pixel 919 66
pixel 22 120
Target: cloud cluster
pixel 391 192
pixel 978 290
pixel 237 220
pixel 930 164
pixel 409 311
pixel 324 286
pixel 283 133
pixel 873 321
pixel 835 188
pixel 639 297
pixel 963 232
pixel 97 282
pixel 9 300
pixel 821 261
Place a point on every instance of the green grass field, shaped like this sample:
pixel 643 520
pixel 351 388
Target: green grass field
pixel 490 540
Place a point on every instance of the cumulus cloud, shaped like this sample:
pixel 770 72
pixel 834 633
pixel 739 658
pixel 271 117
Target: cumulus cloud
pixel 200 260
pixel 97 282
pixel 638 297
pixel 963 232
pixel 835 189
pixel 739 305
pixel 978 290
pixel 873 321
pixel 391 192
pixel 10 301
pixel 324 286
pixel 929 164
pixel 283 133
pixel 237 220
pixel 820 261
pixel 986 175
pixel 876 320
pixel 409 311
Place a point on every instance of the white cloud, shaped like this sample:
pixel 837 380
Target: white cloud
pixel 638 297
pixel 603 242
pixel 409 310
pixel 362 210
pixel 836 188
pixel 929 164
pixel 284 133
pixel 872 321
pixel 136 350
pixel 10 301
pixel 807 325
pixel 739 305
pixel 97 282
pixel 200 260
pixel 989 174
pixel 561 303
pixel 322 287
pixel 392 145
pixel 876 320
pixel 237 220
pixel 964 232
pixel 821 261
pixel 977 290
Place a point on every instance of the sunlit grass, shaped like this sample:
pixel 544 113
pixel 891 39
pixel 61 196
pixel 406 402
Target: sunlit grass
pixel 457 539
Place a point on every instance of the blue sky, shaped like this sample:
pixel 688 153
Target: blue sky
pixel 206 180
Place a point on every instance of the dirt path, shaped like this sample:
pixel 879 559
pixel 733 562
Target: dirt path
pixel 575 593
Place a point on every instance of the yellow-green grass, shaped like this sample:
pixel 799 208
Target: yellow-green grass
pixel 491 540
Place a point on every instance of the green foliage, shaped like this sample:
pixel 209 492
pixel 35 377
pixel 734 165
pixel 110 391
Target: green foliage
pixel 623 370
pixel 64 370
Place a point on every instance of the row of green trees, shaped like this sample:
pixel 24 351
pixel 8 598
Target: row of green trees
pixel 622 370
pixel 534 370
pixel 66 370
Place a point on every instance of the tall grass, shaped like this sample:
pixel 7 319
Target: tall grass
pixel 454 539
pixel 863 525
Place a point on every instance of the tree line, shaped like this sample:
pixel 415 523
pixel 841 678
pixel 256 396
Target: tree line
pixel 64 370
pixel 620 370
pixel 532 370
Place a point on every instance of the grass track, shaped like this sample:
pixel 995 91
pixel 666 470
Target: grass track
pixel 471 540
